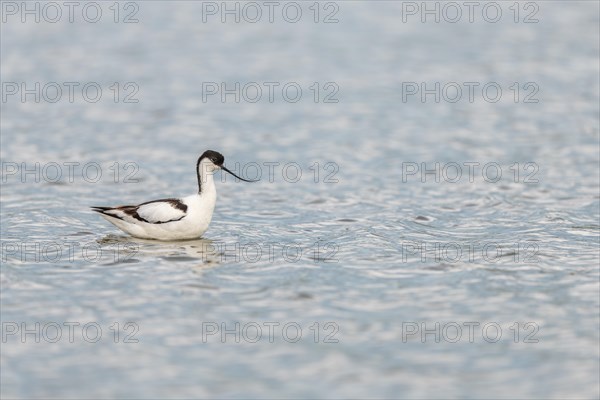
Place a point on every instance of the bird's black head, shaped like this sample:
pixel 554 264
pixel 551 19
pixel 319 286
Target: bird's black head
pixel 214 156
pixel 217 159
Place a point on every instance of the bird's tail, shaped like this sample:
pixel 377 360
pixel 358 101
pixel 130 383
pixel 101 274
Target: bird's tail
pixel 100 209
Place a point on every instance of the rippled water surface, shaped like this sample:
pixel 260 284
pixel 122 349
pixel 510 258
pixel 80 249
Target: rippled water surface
pixel 364 280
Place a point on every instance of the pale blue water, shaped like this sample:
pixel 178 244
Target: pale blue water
pixel 361 292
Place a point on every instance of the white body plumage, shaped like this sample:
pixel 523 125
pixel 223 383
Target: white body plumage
pixel 173 219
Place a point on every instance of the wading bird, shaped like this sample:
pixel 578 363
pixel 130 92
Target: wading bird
pixel 175 218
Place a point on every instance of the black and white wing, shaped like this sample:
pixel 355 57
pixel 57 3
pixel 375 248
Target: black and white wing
pixel 152 212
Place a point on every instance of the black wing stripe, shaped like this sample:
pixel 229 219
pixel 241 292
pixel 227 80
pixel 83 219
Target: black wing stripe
pixel 132 210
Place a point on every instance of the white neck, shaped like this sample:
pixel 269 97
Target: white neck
pixel 205 171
